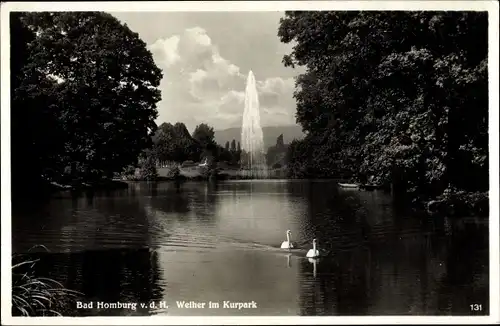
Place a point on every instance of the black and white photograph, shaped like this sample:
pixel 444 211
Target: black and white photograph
pixel 250 162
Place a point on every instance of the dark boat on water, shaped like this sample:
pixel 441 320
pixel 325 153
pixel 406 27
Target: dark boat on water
pixel 349 185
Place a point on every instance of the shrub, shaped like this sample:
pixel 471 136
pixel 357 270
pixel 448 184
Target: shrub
pixel 148 171
pixel 469 203
pixel 188 164
pixel 173 172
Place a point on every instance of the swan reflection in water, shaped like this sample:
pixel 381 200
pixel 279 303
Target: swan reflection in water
pixel 314 262
pixel 288 260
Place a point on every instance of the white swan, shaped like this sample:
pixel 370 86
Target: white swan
pixel 288 244
pixel 314 252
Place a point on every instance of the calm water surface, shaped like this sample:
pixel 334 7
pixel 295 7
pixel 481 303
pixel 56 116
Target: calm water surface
pixel 156 242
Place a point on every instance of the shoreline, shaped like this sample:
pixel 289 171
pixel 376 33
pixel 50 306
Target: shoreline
pixel 105 184
pixel 435 207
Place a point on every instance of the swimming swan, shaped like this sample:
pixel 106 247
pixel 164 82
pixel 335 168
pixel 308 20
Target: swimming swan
pixel 288 244
pixel 314 252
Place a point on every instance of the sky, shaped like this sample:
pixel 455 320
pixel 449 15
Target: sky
pixel 206 57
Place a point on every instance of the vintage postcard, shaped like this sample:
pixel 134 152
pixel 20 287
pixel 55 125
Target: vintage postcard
pixel 250 162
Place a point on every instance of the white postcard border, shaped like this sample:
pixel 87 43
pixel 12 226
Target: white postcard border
pixel 146 6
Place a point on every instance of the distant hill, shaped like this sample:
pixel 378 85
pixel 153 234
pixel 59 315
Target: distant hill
pixel 270 134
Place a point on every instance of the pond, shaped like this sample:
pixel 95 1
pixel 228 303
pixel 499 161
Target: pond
pixel 167 246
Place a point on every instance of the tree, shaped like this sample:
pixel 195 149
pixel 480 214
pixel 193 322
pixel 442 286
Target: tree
pixel 297 159
pixel 104 88
pixel 276 154
pixel 204 135
pixel 226 147
pixel 279 142
pixel 233 145
pixel 147 170
pixel 224 154
pixel 239 147
pixel 35 138
pixel 174 143
pixel 401 96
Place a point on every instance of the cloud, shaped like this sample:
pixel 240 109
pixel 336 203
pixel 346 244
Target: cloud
pixel 276 85
pixel 200 85
pixel 166 51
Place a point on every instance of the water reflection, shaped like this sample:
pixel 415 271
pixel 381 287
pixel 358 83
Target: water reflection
pixel 258 212
pixel 107 276
pixel 227 274
pixel 314 262
pixel 317 288
pixel 200 241
pixel 289 261
pixel 88 222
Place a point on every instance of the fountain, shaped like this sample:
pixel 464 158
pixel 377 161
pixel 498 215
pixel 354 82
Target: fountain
pixel 252 139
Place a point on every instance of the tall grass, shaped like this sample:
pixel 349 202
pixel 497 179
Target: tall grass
pixel 37 296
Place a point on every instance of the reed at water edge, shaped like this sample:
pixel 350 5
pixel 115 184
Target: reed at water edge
pixel 34 296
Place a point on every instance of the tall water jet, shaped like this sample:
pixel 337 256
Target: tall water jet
pixel 252 138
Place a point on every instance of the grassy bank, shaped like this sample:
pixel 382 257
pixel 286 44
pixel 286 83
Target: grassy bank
pixel 196 173
pixel 200 174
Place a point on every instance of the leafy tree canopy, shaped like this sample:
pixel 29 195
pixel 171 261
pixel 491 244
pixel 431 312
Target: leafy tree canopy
pixel 103 89
pixel 174 143
pixel 397 95
pixel 204 135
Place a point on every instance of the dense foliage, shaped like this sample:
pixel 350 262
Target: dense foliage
pixel 84 94
pixel 400 96
pixel 276 155
pixel 147 168
pixel 204 135
pixel 174 143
